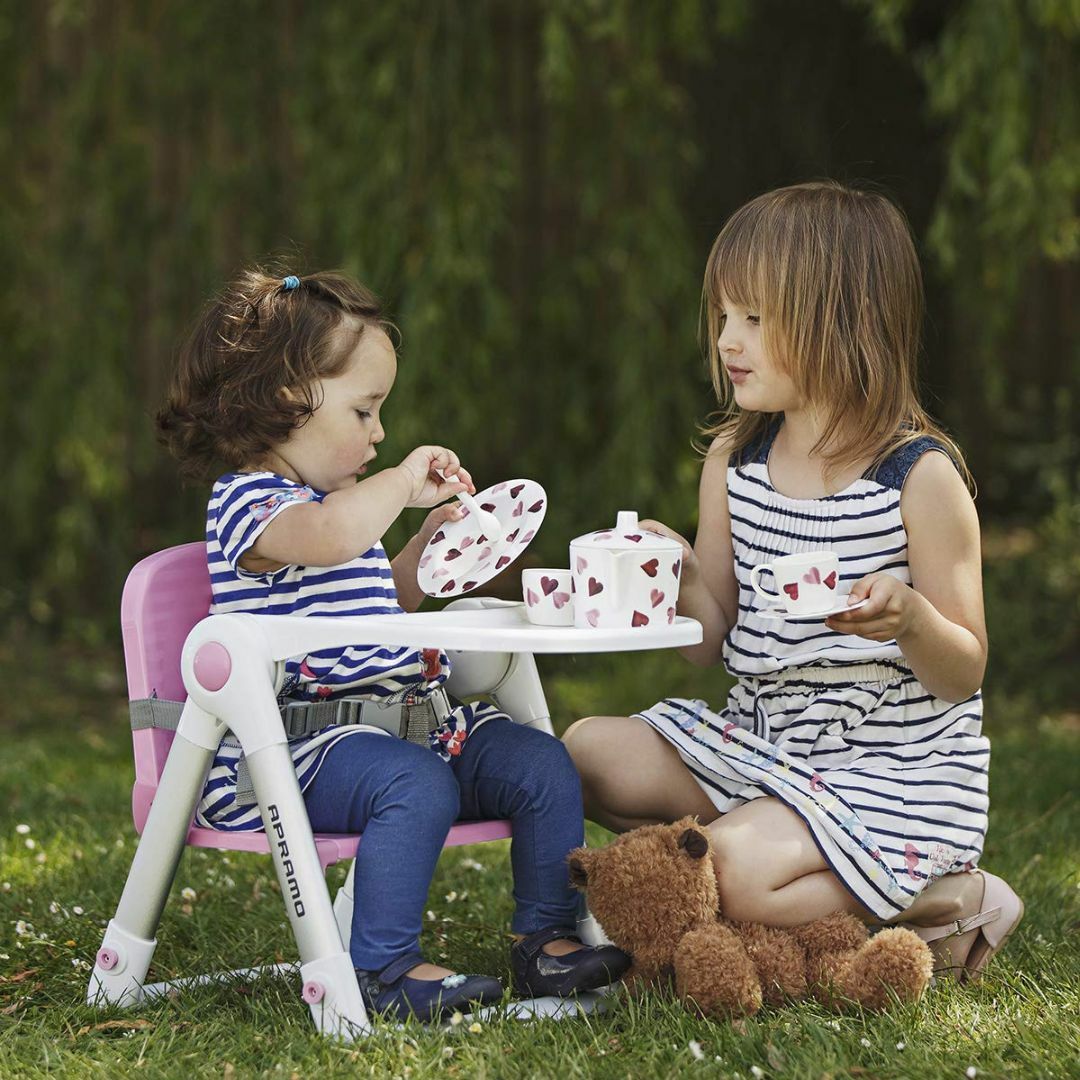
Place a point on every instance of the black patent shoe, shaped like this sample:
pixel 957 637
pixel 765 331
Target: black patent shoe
pixel 393 994
pixel 536 974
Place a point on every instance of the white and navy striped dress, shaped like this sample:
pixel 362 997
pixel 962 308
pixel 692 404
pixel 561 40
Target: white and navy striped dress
pixel 241 506
pixel 890 780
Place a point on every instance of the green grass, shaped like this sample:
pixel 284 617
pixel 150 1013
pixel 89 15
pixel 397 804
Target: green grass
pixel 66 773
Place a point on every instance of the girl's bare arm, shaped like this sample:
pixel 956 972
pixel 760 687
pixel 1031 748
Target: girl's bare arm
pixel 709 590
pixel 938 620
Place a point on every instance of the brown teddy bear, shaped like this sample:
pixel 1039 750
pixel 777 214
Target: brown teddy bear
pixel 654 892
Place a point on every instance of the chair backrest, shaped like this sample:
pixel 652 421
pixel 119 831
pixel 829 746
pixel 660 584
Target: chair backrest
pixel 165 595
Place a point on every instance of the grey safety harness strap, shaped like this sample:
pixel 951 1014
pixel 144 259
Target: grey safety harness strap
pixel 406 715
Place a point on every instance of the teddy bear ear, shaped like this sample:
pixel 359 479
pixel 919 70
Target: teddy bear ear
pixel 579 876
pixel 694 843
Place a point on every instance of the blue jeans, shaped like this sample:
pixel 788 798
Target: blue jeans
pixel 404 799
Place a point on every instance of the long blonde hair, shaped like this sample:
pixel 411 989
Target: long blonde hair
pixel 833 273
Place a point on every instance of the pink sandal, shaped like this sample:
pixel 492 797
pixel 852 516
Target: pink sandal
pixel 999 915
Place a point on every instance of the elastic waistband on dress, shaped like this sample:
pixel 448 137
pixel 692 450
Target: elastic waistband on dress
pixel 833 675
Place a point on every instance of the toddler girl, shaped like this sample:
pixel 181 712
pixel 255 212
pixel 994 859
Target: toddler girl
pixel 282 383
pixel 847 770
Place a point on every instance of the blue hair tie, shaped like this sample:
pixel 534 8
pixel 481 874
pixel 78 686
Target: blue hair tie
pixel 290 283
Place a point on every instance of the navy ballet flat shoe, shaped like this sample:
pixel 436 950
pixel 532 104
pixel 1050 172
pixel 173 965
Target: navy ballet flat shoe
pixel 392 993
pixel 536 974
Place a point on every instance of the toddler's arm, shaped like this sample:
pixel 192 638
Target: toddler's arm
pixel 349 522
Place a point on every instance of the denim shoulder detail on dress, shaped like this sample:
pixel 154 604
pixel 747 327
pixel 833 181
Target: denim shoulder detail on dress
pixel 892 472
pixel 756 452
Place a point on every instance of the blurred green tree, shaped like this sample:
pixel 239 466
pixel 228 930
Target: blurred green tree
pixel 533 187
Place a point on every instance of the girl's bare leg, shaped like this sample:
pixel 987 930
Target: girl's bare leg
pixel 632 776
pixel 769 870
pixel 768 867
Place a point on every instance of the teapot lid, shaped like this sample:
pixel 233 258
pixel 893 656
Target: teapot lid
pixel 626 534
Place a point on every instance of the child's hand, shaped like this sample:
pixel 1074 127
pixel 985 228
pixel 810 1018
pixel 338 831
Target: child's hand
pixel 890 612
pixel 426 487
pixel 690 560
pixel 451 511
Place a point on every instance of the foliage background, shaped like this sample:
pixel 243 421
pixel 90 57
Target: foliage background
pixel 533 186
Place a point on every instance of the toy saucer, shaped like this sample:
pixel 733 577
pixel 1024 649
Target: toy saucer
pixel 778 612
pixel 459 558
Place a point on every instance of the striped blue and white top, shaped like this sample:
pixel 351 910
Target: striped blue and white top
pixel 862 524
pixel 241 506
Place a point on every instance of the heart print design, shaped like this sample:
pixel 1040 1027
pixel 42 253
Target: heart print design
pixel 520 507
pixel 792 590
pixel 651 567
pixel 548 584
pixel 911 857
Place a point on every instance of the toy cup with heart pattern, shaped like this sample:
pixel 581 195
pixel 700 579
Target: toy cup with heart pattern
pixel 548 599
pixel 808 581
pixel 625 577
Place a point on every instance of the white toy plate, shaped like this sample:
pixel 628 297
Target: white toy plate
pixel 777 612
pixel 459 558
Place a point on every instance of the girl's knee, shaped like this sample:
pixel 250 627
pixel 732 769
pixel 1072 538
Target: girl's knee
pixel 426 785
pixel 557 766
pixel 737 884
pixel 588 741
pixel 549 766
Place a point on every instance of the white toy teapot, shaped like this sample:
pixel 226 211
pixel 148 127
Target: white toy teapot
pixel 625 576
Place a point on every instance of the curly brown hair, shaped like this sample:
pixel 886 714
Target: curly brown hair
pixel 225 406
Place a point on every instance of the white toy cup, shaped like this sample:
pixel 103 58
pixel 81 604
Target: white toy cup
pixel 807 582
pixel 548 597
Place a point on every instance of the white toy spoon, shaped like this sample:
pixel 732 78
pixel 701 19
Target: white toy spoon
pixel 487 521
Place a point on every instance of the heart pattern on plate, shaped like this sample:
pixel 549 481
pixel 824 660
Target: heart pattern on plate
pixel 459 558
